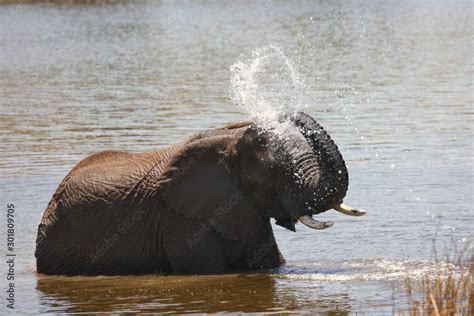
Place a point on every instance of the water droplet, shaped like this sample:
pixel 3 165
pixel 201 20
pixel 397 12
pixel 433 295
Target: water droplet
pixel 252 82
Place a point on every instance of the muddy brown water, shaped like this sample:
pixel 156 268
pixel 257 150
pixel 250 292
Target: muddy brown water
pixel 390 81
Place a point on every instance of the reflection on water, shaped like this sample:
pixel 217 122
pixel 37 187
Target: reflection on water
pixel 228 293
pixel 161 293
pixel 390 81
pixel 321 287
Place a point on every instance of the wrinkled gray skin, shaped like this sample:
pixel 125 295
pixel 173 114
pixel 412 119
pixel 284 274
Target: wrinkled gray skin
pixel 202 206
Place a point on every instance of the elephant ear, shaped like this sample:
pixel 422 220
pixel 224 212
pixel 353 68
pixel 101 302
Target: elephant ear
pixel 200 183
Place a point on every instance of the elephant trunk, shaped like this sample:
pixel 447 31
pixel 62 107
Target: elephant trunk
pixel 322 173
pixel 328 174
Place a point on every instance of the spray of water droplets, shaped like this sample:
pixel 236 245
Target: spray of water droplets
pixel 266 86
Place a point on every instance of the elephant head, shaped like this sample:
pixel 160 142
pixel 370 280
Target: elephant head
pixel 302 168
pixel 236 177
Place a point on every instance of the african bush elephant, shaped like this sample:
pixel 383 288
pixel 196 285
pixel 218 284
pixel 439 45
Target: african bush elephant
pixel 201 206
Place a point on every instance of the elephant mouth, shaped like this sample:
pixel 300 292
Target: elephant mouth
pixel 309 221
pixel 287 223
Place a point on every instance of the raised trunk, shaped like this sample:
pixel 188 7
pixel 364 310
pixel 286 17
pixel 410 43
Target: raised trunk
pixel 333 180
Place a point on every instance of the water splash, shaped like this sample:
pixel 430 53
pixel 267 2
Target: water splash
pixel 394 270
pixel 266 86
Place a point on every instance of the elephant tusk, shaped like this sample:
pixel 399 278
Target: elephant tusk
pixel 314 224
pixel 345 209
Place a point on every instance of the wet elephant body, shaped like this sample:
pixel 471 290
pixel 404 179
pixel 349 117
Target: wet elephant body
pixel 202 206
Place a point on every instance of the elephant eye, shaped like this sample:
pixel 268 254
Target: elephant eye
pixel 262 141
